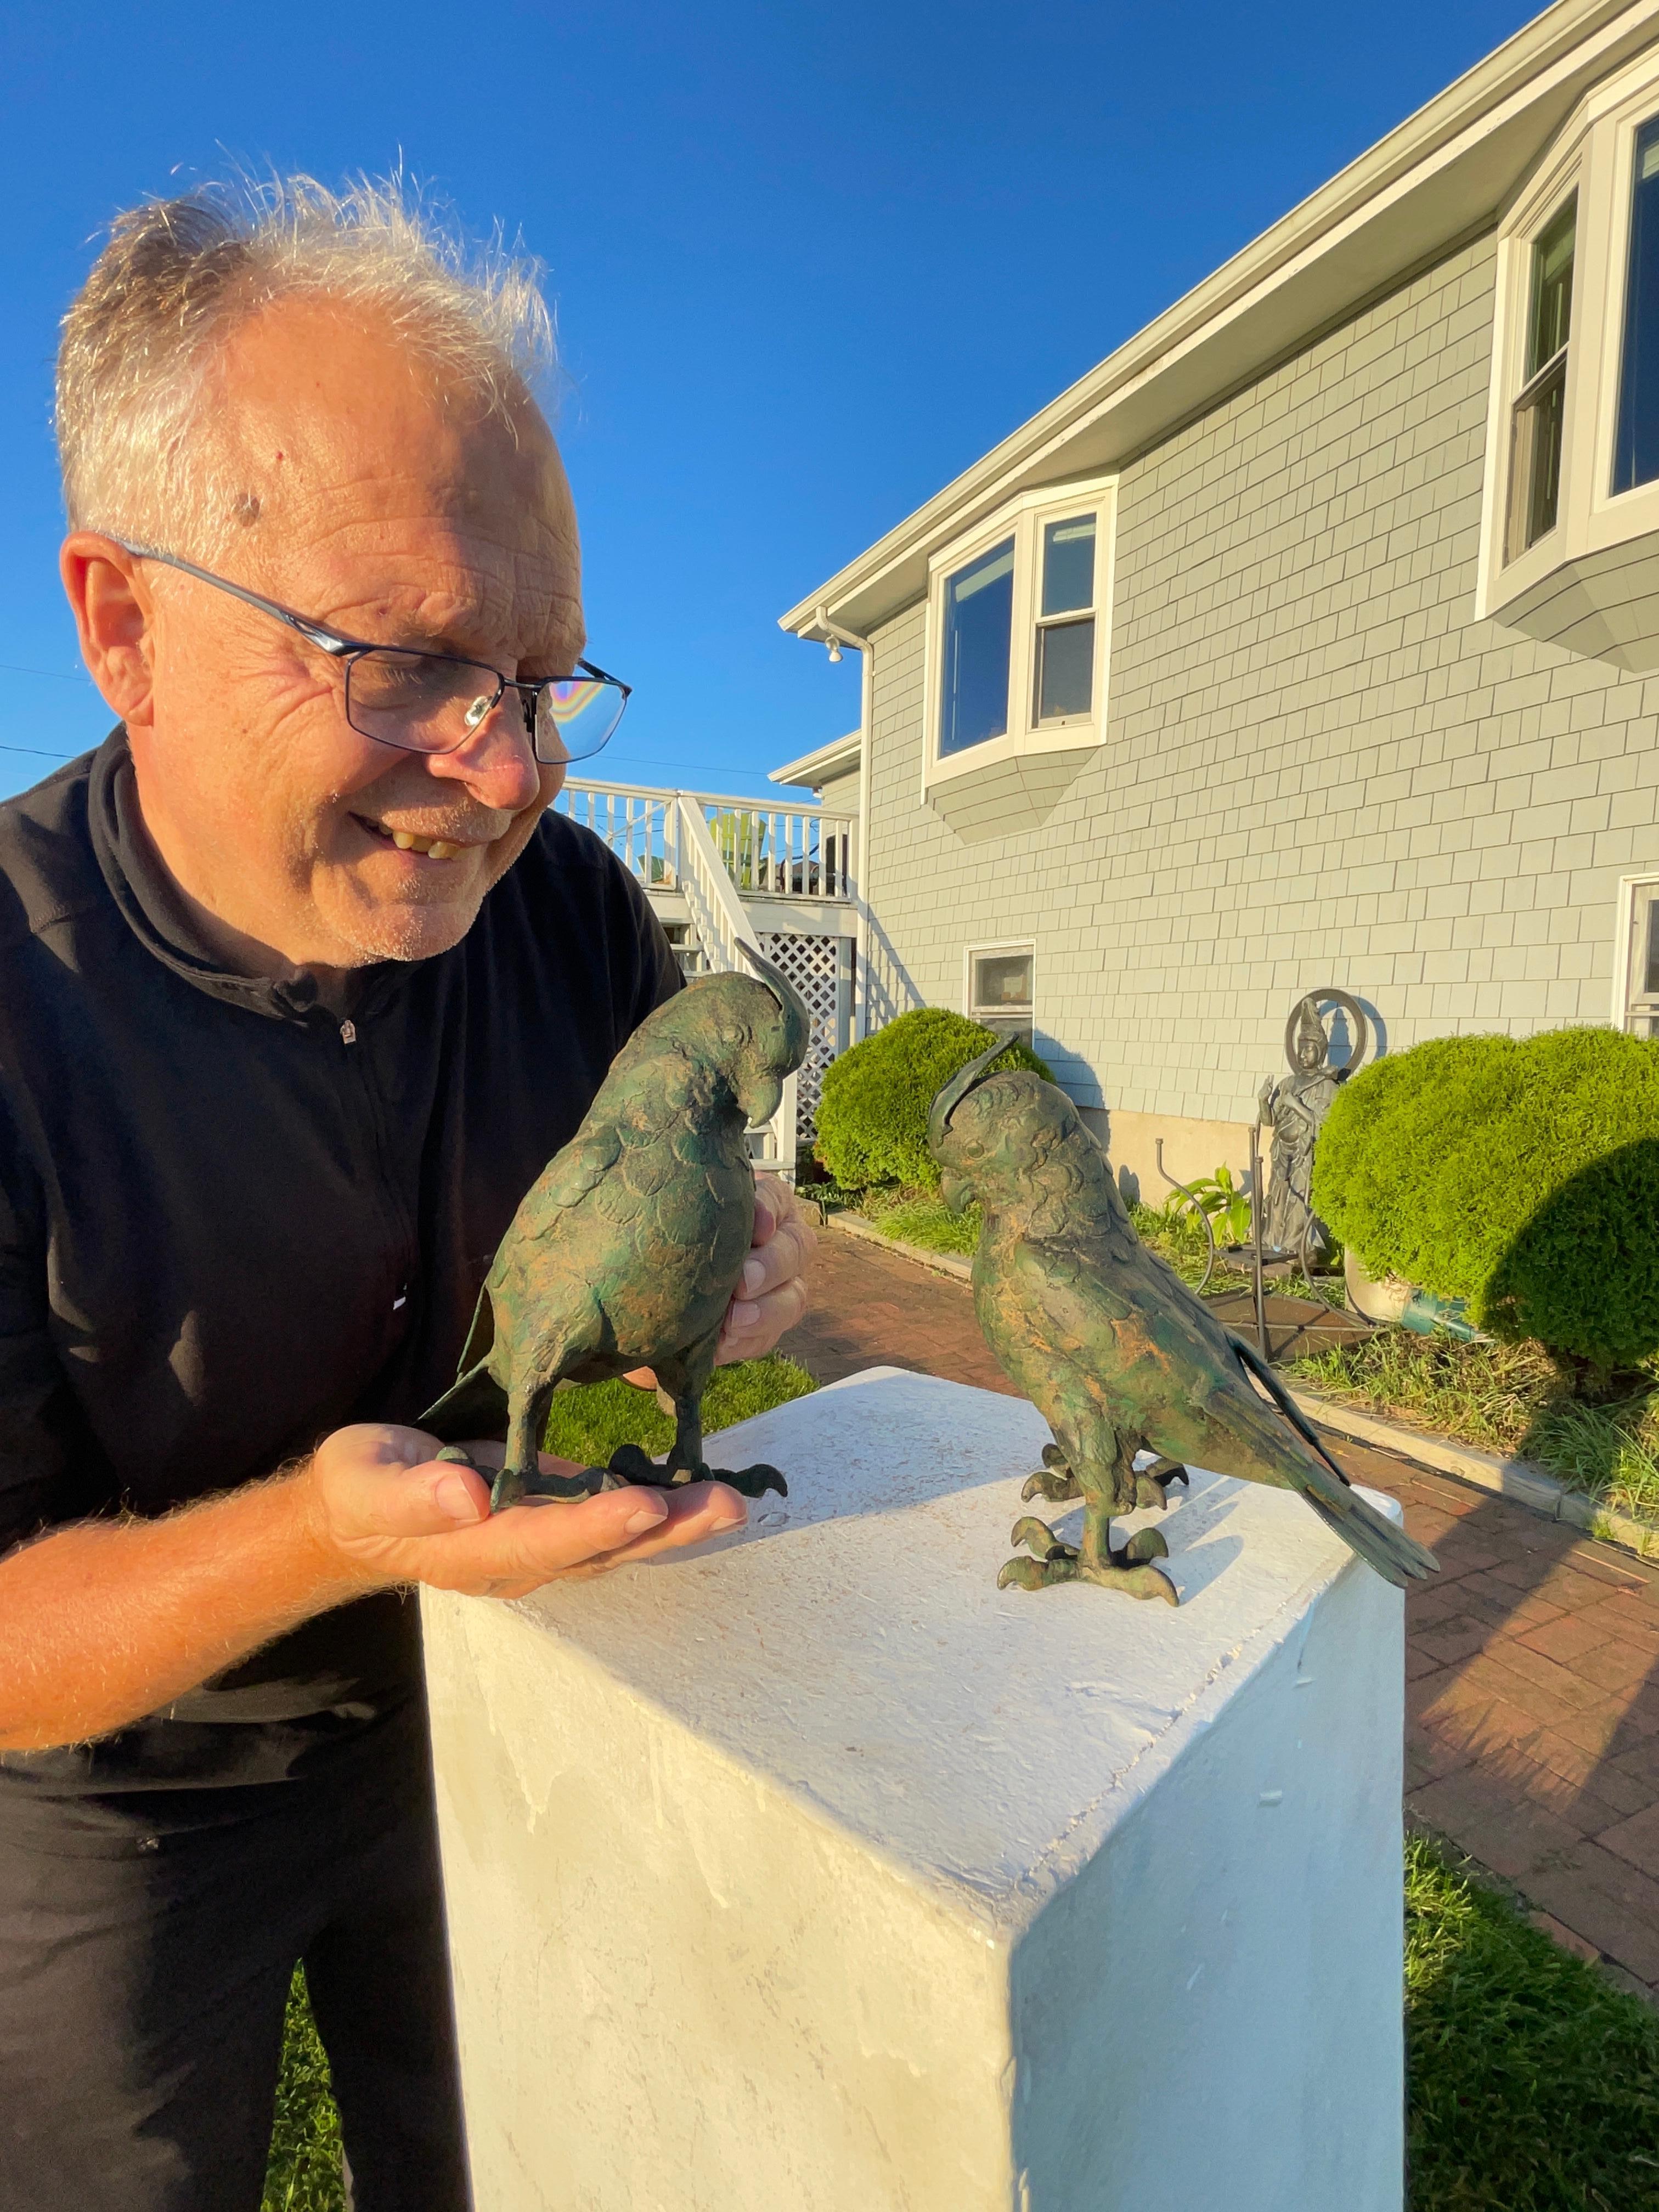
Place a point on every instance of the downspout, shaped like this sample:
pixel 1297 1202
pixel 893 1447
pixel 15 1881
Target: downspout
pixel 867 738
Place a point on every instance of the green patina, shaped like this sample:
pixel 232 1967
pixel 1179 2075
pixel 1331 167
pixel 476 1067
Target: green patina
pixel 626 1251
pixel 1113 1349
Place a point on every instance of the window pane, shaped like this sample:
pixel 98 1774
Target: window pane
pixel 1068 566
pixel 1552 289
pixel 1065 669
pixel 1535 468
pixel 1651 987
pixel 1635 448
pixel 1002 978
pixel 979 607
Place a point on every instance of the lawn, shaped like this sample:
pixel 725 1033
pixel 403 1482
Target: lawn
pixel 1533 2084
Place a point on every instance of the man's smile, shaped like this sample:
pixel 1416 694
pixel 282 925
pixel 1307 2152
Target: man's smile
pixel 414 840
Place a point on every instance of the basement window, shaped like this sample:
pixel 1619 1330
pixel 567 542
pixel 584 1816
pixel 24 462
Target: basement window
pixel 1000 989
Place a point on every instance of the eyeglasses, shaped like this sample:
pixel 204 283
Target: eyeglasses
pixel 432 703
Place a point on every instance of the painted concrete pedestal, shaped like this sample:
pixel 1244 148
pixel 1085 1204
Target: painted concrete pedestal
pixel 812 1872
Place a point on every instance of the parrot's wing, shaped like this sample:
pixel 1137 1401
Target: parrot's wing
pixel 577 1168
pixel 1079 1284
pixel 1103 1303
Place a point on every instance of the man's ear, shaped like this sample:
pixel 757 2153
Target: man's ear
pixel 113 611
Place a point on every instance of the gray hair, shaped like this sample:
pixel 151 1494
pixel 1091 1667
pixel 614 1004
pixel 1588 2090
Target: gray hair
pixel 133 414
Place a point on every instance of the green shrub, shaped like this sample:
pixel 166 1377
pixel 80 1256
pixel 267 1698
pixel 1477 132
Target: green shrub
pixel 873 1121
pixel 1520 1174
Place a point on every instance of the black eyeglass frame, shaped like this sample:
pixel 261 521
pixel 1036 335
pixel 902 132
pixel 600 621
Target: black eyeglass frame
pixel 346 650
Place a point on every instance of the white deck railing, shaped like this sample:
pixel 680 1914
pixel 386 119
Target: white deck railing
pixel 768 852
pixel 710 850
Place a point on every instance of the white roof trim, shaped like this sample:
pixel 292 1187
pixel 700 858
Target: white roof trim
pixel 1441 176
pixel 839 757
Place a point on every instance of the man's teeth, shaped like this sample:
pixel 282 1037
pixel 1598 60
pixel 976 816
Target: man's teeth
pixel 440 847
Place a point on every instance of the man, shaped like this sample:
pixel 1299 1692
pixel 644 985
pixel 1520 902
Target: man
pixel 301 984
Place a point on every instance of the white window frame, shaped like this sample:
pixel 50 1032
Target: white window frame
pixel 1594 156
pixel 1023 519
pixel 993 947
pixel 1643 879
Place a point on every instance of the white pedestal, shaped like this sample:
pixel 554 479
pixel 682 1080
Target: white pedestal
pixel 812 1873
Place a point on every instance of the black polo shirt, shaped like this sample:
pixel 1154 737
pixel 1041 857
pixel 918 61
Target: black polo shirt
pixel 232 1221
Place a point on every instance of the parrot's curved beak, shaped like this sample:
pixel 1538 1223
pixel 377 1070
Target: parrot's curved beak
pixel 945 1104
pixel 789 998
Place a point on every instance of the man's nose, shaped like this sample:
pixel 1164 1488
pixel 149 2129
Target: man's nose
pixel 498 763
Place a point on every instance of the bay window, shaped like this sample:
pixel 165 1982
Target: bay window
pixel 1019 615
pixel 1570 550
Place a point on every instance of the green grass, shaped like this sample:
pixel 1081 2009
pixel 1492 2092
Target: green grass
pixel 1533 2085
pixel 587 1423
pixel 1507 1398
pixel 304 2172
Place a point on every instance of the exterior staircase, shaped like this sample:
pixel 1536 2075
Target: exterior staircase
pixel 720 871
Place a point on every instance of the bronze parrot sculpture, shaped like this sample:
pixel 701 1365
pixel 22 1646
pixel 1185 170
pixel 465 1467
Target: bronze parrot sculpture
pixel 1113 1349
pixel 626 1251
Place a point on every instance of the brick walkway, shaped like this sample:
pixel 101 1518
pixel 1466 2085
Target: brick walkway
pixel 1532 1661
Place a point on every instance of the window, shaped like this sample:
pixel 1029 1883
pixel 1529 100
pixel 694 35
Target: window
pixel 979 605
pixel 1000 988
pixel 1066 627
pixel 1570 545
pixel 1535 468
pixel 1636 448
pixel 1018 618
pixel 1636 978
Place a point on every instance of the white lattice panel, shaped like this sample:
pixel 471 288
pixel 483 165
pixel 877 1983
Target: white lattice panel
pixel 813 965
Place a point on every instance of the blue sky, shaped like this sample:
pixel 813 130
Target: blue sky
pixel 807 264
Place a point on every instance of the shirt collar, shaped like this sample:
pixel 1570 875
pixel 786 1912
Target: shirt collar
pixel 151 903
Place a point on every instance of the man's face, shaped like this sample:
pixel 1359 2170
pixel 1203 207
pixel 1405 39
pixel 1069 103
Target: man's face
pixel 381 502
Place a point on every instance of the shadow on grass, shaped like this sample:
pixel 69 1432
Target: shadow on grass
pixel 1533 2086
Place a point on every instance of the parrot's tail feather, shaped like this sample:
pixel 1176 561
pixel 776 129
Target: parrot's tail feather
pixel 1255 1365
pixel 1384 1546
pixel 475 1407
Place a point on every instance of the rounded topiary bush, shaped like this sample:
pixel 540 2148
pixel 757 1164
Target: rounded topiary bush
pixel 872 1118
pixel 1521 1173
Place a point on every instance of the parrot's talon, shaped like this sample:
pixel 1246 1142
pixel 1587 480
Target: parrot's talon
pixel 1041 1539
pixel 457 1455
pixel 1034 1574
pixel 1057 1489
pixel 1129 1569
pixel 749 1481
pixel 1053 1481
pixel 567 1489
pixel 633 1464
pixel 1152 1483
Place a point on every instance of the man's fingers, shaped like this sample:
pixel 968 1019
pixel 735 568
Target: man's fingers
pixel 753 1326
pixel 697 1512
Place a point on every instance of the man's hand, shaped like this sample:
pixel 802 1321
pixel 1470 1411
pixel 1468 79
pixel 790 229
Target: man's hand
pixel 386 1511
pixel 771 1296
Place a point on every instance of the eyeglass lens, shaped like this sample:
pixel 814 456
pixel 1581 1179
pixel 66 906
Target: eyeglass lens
pixel 422 703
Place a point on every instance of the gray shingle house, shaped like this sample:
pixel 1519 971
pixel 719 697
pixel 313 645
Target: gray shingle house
pixel 1311 640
